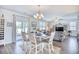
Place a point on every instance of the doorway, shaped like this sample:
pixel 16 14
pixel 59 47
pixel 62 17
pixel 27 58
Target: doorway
pixel 20 24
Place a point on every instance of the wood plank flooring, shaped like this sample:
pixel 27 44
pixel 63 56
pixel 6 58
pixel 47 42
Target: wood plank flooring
pixel 68 46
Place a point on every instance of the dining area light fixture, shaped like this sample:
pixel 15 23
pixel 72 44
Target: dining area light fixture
pixel 39 15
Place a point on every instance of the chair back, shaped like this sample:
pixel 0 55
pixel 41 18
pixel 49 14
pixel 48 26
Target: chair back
pixel 32 38
pixel 52 37
pixel 24 36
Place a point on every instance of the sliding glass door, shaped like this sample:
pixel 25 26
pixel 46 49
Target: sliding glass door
pixel 18 27
pixel 21 26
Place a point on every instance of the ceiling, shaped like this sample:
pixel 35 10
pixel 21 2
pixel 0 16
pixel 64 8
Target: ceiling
pixel 48 10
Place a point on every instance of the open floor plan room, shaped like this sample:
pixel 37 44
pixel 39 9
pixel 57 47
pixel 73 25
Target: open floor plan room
pixel 39 29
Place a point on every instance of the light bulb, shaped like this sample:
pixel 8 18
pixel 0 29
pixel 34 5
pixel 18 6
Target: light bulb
pixel 42 15
pixel 37 14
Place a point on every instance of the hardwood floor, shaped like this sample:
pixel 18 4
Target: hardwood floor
pixel 68 46
pixel 14 48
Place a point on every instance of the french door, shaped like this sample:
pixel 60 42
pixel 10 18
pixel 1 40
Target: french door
pixel 20 24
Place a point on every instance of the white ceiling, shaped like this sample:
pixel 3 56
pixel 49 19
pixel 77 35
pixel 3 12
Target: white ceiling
pixel 48 10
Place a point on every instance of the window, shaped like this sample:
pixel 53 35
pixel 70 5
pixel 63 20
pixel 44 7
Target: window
pixel 21 26
pixel 41 25
pixel 25 26
pixel 18 27
pixel 72 25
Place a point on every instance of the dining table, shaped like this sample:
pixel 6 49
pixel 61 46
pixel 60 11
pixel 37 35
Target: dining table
pixel 42 37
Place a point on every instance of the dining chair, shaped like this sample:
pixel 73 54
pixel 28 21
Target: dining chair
pixel 35 44
pixel 49 43
pixel 26 42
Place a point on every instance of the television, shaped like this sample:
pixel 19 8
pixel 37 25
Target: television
pixel 59 29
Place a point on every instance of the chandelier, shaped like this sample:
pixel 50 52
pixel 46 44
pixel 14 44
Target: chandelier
pixel 39 15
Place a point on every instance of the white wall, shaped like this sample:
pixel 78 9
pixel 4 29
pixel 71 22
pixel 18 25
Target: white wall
pixel 8 15
pixel 67 22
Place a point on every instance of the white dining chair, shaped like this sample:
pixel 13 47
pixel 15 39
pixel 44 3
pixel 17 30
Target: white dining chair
pixel 26 42
pixel 49 44
pixel 35 44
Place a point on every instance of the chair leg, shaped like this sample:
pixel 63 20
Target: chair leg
pixel 49 49
pixel 30 50
pixel 52 49
pixel 42 47
pixel 36 50
pixel 23 47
